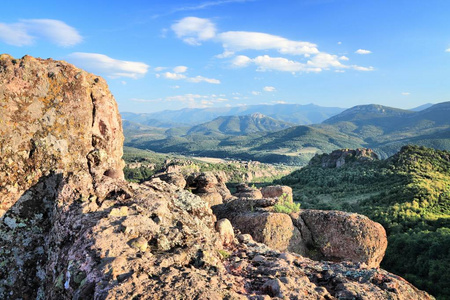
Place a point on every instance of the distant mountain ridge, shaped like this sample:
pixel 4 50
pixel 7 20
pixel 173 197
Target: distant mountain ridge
pixel 293 113
pixel 385 129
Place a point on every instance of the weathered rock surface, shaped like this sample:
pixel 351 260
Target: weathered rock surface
pixel 338 158
pixel 346 236
pixel 75 230
pixel 210 186
pixel 275 191
pixel 244 191
pixel 55 119
pixel 329 235
pixel 176 179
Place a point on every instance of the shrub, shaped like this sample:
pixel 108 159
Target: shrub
pixel 286 205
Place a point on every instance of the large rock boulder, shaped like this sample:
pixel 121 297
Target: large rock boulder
pixel 341 236
pixel 276 191
pixel 73 229
pixel 210 186
pixel 55 119
pixel 276 230
pixel 244 191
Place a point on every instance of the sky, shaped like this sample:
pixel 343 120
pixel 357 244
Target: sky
pixel 167 54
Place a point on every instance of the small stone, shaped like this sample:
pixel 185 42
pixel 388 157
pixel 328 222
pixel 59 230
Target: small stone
pixel 140 243
pixel 119 212
pixel 225 230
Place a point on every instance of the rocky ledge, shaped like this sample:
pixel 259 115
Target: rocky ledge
pixel 72 228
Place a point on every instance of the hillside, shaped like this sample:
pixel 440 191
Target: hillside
pixel 239 125
pixel 409 194
pixel 292 113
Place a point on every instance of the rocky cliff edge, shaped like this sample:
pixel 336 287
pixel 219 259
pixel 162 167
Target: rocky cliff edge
pixel 72 228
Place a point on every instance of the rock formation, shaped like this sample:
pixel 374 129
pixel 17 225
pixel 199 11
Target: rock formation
pixel 210 186
pixel 329 235
pixel 338 158
pixel 73 229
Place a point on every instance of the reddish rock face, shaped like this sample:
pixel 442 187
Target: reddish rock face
pixel 275 191
pixel 55 118
pixel 344 236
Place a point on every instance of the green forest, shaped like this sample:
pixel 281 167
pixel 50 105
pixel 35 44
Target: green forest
pixel 408 193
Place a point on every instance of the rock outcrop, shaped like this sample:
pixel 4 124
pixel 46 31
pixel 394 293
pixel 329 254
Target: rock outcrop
pixel 210 186
pixel 275 191
pixel 73 229
pixel 341 236
pixel 338 158
pixel 329 235
pixel 244 191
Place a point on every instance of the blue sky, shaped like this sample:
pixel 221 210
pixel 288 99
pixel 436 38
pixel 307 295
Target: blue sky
pixel 160 55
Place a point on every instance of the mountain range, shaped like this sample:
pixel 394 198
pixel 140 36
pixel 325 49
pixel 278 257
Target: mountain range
pixel 292 113
pixel 259 137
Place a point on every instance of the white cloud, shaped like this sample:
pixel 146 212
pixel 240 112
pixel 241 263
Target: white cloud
pixel 193 30
pixel 266 62
pixel 25 32
pixel 180 69
pixel 113 68
pixel 447 50
pixel 339 43
pixel 406 93
pixel 325 61
pixel 269 89
pixel 359 68
pixel 173 76
pixel 159 69
pixel 256 93
pixel 318 63
pixel 279 102
pixel 362 51
pixel 198 79
pixel 175 87
pixel 241 61
pixel 234 41
pixel 178 74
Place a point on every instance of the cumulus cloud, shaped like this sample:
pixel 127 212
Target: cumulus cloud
pixel 179 73
pixel 359 68
pixel 26 32
pixel 318 63
pixel 173 76
pixel 266 63
pixel 447 50
pixel 194 30
pixel 198 79
pixel 269 89
pixel 234 41
pixel 113 68
pixel 362 51
pixel 407 93
pixel 256 93
pixel 325 61
pixel 180 69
